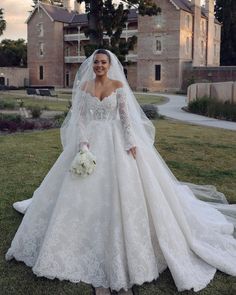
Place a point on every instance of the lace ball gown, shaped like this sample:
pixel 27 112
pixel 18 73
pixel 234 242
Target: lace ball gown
pixel 127 222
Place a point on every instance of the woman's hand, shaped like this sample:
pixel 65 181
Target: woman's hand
pixel 132 151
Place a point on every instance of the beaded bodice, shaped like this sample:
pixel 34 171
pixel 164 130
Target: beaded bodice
pixel 105 109
pixel 112 107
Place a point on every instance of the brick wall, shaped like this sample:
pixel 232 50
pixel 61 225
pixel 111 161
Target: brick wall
pixel 168 58
pixel 53 57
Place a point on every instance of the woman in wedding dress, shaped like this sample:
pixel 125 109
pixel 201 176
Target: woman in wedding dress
pixel 130 219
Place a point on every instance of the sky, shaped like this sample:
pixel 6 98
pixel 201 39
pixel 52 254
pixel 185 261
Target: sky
pixel 16 15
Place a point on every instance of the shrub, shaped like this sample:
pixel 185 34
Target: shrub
pixel 35 111
pixel 46 108
pixel 151 111
pixel 27 125
pixel 10 105
pixel 210 107
pixel 59 119
pixel 10 117
pixel 9 126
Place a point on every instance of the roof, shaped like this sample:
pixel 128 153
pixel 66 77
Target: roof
pixel 82 18
pixel 55 13
pixel 186 5
pixel 61 14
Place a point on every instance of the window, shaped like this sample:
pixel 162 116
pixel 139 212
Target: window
pixel 215 50
pixel 67 78
pixel 203 26
pixel 159 19
pixel 41 49
pixel 41 73
pixel 187 45
pixel 188 21
pixel 158 45
pixel 202 48
pixel 40 12
pixel 67 51
pixel 157 72
pixel 40 29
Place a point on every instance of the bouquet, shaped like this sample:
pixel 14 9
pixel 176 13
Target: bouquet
pixel 83 164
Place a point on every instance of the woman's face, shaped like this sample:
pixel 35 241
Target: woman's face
pixel 101 64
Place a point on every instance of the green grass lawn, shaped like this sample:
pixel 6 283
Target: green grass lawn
pixel 62 105
pixel 150 99
pixel 196 154
pixel 30 101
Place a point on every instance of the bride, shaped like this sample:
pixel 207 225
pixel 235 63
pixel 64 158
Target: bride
pixel 130 219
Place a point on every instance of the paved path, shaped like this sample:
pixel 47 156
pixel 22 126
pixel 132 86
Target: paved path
pixel 173 109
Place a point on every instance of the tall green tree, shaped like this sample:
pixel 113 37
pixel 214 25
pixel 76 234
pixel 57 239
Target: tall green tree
pixel 108 19
pixel 2 22
pixel 225 11
pixel 13 53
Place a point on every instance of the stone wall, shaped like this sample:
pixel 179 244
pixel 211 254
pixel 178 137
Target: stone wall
pixel 208 74
pixel 222 91
pixel 14 76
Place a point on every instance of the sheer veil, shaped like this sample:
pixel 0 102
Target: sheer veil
pixel 143 128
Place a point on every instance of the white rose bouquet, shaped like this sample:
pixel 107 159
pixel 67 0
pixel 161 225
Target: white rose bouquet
pixel 84 163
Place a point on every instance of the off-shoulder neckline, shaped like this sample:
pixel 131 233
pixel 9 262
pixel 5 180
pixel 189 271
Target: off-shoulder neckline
pixel 105 97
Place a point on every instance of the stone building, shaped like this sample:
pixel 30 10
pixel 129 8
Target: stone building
pixel 14 76
pixel 183 35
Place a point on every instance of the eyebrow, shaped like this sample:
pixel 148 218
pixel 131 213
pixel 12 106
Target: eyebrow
pixel 100 60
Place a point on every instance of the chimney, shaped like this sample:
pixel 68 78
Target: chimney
pixel 196 9
pixel 209 6
pixel 78 7
pixel 66 5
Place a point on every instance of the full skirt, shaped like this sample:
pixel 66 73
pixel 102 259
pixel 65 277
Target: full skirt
pixel 124 224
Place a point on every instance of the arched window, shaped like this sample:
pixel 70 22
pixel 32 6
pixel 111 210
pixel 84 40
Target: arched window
pixel 157 72
pixel 40 30
pixel 187 45
pixel 41 72
pixel 158 45
pixel 203 26
pixel 159 19
pixel 215 50
pixel 41 49
pixel 202 48
pixel 187 21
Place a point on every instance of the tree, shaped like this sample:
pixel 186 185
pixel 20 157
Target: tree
pixel 225 11
pixel 13 53
pixel 2 22
pixel 109 19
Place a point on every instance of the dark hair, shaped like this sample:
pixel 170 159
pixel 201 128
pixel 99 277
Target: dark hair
pixel 103 51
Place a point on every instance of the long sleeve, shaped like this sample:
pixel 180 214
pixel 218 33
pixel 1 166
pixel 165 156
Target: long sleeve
pixel 82 140
pixel 129 137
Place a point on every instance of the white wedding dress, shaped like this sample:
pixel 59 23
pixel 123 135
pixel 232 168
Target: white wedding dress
pixel 125 223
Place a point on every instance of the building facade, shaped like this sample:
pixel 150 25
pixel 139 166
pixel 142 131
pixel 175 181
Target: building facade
pixel 183 35
pixel 14 76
